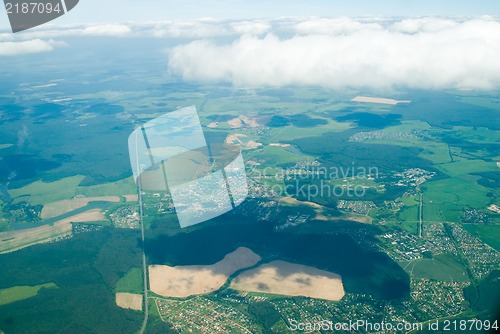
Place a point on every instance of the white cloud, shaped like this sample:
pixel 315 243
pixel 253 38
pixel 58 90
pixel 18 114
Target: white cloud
pixel 6 37
pixel 190 29
pixel 95 30
pixel 51 32
pixel 423 53
pixel 426 24
pixel 333 26
pixel 208 28
pixel 185 29
pixel 107 30
pixel 251 27
pixel 24 47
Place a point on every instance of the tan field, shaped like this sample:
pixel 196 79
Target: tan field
pixel 129 300
pixel 131 197
pixel 293 201
pixel 14 240
pixel 319 209
pixel 356 217
pixel 380 100
pixel 235 123
pixel 58 208
pixel 213 125
pixel 243 121
pixel 93 215
pixel 235 138
pixel 241 139
pixel 251 144
pixel 185 281
pixel 289 279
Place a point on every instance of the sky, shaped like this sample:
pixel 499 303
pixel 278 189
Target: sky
pixel 120 11
pixel 335 44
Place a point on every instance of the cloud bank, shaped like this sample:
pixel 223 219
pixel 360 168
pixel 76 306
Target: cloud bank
pixel 205 28
pixel 367 52
pixel 24 47
pixel 427 53
pixel 174 29
pixel 107 30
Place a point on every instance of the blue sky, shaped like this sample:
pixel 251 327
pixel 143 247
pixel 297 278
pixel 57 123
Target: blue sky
pixel 427 44
pixel 90 11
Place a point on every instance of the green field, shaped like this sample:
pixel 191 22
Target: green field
pixel 409 214
pixel 409 226
pixel 432 150
pixel 442 267
pixel 445 199
pixel 17 293
pixel 463 167
pixel 131 282
pixel 117 188
pixel 271 156
pixel 40 192
pixel 411 200
pixel 436 152
pixel 288 133
pixel 452 195
pixel 490 234
pixel 433 212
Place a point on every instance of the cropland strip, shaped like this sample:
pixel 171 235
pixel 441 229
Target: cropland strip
pixel 184 281
pixel 321 212
pixel 13 240
pixel 58 208
pixel 290 279
pixel 368 99
pixel 129 301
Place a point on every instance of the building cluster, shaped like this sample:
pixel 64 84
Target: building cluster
pixel 403 246
pixel 126 217
pixel 204 315
pixel 482 259
pixel 413 177
pixel 374 135
pixel 360 207
pixel 474 216
pixel 84 227
pixel 437 298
